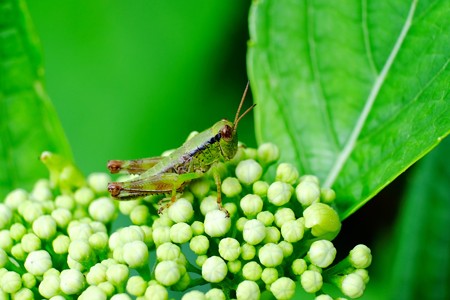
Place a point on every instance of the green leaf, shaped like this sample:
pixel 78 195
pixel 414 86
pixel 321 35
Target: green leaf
pixel 28 122
pixel 352 91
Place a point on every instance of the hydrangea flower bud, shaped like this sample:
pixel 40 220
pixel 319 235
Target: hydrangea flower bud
pixel 167 272
pixel 269 275
pixel 161 235
pixel 214 269
pixel 360 257
pixel 28 280
pixel 17 231
pixel 65 201
pixel 180 233
pixel 6 241
pixel 286 247
pixel 92 292
pixel 311 281
pixel 248 251
pixel 234 266
pixel 96 274
pixel 248 171
pixel 251 205
pixel 298 266
pixel 229 249
pixel 252 271
pixel 107 287
pixel 231 187
pixel 254 232
pixel 200 187
pixel 103 210
pixel 200 260
pixel 3 258
pixel 260 188
pixel 279 193
pixel 311 178
pixel 197 228
pixel 5 216
pixel 135 254
pixel 15 198
pixel 287 172
pixel 30 211
pixel 327 195
pixel 194 295
pixel 323 221
pixel 136 286
pixel 268 153
pixel 80 250
pixel 62 217
pixel 216 223
pixel 117 274
pixel 84 196
pixel 23 293
pixel 283 288
pixel 272 235
pixel 38 262
pixel 44 227
pixel 240 223
pixel 121 296
pixel 248 290
pixel 292 231
pixel 11 282
pixel 208 204
pixel 181 211
pixel 18 253
pixel 215 294
pixel 231 208
pixel 140 215
pixel 307 192
pixel 199 244
pixel 168 251
pixel 353 285
pixel 270 255
pixel 71 281
pixel 283 215
pixel 98 240
pixel 322 253
pixel 49 286
pixel 324 297
pixel 156 292
pixel 125 207
pixel 98 182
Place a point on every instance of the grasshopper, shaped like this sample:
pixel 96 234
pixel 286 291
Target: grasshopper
pixel 170 174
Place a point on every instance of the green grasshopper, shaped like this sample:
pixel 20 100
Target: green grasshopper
pixel 170 174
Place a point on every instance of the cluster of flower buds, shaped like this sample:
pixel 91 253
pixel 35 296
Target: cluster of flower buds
pixel 60 243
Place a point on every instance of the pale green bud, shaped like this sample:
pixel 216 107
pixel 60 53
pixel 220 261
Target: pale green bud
pixel 17 231
pixel 327 195
pixel 131 233
pixel 248 251
pixel 322 253
pixel 167 272
pixel 97 226
pixel 28 280
pixel 364 274
pixel 323 221
pixel 5 216
pixel 135 254
pixel 107 287
pixel 125 207
pixel 84 196
pixel 353 285
pixel 299 266
pixel 313 267
pixel 117 274
pixel 62 217
pixel 323 297
pixel 214 269
pixel 229 249
pixel 98 182
pixel 240 155
pixel 268 153
pixel 287 172
pixel 38 262
pixel 208 204
pixel 49 286
pixel 80 250
pixel 161 235
pixel 52 272
pixel 136 286
pixel 234 266
pixel 200 187
pixel 272 235
pixel 187 195
pixel 73 264
pixel 3 258
pixel 270 255
pixel 168 251
pixel 266 217
pixel 231 208
pixel 18 253
pixel 180 233
pixel 148 234
pixel 181 211
pixel 31 211
pixel 23 294
pixel 307 192
pixel 199 244
pixel 283 288
pixel 360 257
pixel 44 227
pixel 71 281
pixel 231 187
pixel 215 294
pixel 65 201
pixel 41 190
pixel 98 241
pixel 248 290
pixel 252 271
pixel 96 274
pixel 216 223
pixel 163 220
pixel 286 247
pixel 194 295
pixel 15 198
pixel 269 275
pixel 250 153
pixel 140 215
pixel 241 223
pixel 248 171
pixel 311 281
pixel 93 292
pixel 197 228
pixel 103 210
pixel 200 260
pixel 310 178
pixel 283 215
pixel 279 193
pixel 121 296
pixel 260 188
pixel 292 231
pixel 251 205
pixel 254 232
pixel 11 282
pixel 30 242
pixel 79 231
pixel 156 292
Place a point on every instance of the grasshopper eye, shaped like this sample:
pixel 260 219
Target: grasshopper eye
pixel 226 133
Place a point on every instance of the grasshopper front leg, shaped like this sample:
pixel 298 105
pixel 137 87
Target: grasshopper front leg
pixel 133 166
pixel 218 182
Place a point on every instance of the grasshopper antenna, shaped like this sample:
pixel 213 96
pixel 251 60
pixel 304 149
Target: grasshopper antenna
pixel 238 118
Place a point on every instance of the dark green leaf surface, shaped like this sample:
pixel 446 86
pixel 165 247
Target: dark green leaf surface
pixel 28 122
pixel 353 91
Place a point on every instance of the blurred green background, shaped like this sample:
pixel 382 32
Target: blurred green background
pixel 131 79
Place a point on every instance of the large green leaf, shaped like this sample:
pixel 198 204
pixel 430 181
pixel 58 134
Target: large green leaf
pixel 28 122
pixel 353 91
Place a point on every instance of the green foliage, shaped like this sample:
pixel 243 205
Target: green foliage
pixel 28 122
pixel 353 92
